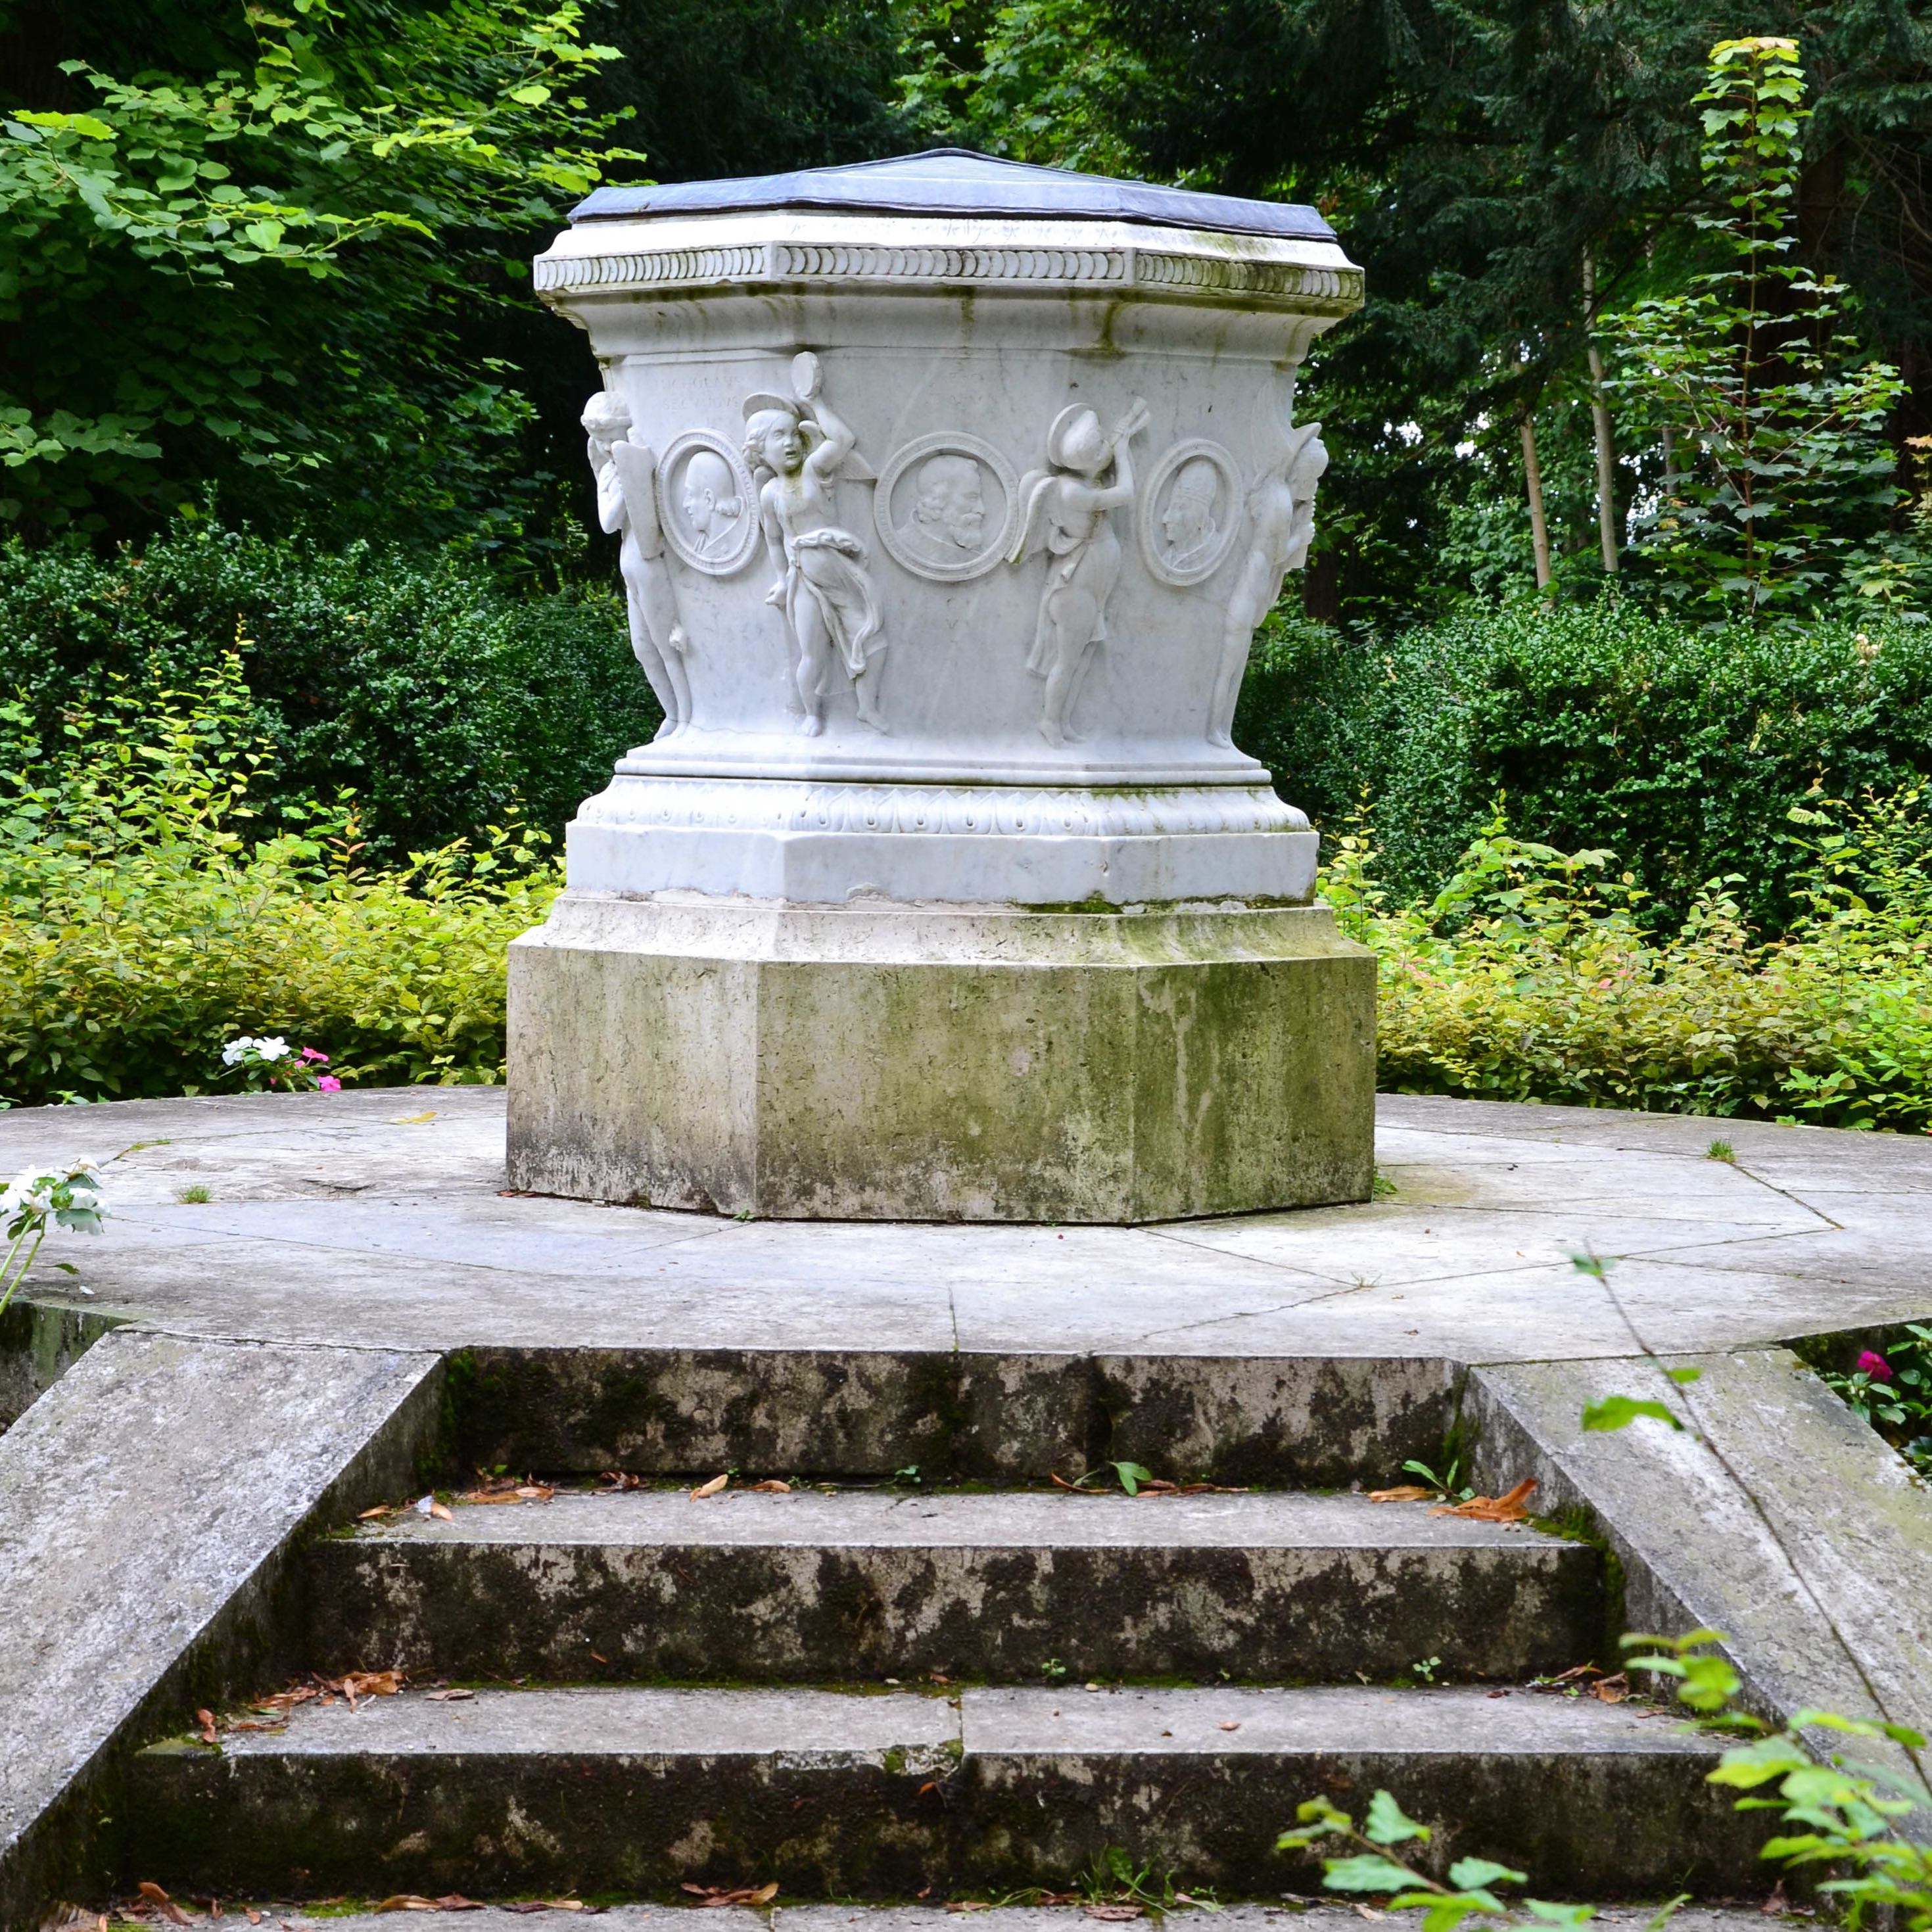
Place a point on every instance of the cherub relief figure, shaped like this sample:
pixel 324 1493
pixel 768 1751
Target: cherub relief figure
pixel 798 446
pixel 1281 509
pixel 1069 513
pixel 626 502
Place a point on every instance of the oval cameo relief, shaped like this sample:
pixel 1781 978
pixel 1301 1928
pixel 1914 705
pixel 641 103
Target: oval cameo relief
pixel 946 505
pixel 706 504
pixel 1189 513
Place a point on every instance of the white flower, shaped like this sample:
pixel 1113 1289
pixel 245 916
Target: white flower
pixel 236 1051
pixel 277 1048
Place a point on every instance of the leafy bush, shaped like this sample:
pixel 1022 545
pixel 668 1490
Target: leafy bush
pixel 141 927
pixel 409 678
pixel 1683 749
pixel 1530 975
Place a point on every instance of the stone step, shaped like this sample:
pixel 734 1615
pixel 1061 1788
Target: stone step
pixel 1289 1914
pixel 989 1415
pixel 823 1792
pixel 855 1584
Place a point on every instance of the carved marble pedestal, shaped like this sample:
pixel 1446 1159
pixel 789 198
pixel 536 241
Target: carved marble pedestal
pixel 950 493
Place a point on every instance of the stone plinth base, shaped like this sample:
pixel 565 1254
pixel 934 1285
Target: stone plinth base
pixel 940 1063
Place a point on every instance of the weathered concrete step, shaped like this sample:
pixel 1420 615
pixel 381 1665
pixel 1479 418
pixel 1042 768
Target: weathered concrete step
pixel 815 1587
pixel 1330 1916
pixel 640 1790
pixel 995 1415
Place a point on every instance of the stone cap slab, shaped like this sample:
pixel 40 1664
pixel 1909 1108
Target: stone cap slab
pixel 957 180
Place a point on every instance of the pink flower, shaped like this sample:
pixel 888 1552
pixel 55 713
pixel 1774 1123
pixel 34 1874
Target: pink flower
pixel 1876 1367
pixel 330 1084
pixel 314 1058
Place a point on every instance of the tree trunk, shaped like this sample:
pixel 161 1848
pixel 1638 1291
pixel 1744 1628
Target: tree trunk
pixel 1600 413
pixel 1539 530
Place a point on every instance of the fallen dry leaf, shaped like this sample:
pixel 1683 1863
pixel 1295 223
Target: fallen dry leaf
pixel 406 1901
pixel 1403 1492
pixel 709 1489
pixel 515 1492
pixel 1114 1915
pixel 452 1696
pixel 1511 1508
pixel 412 1120
pixel 1231 1724
pixel 162 1903
pixel 381 1509
pixel 968 1905
pixel 1775 1906
pixel 1611 1690
pixel 1209 1489
pixel 773 1488
pixel 443 1510
pixel 254 1917
pixel 205 1723
pixel 619 1480
pixel 718 1894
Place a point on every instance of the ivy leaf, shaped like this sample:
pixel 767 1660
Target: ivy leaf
pixel 1387 1824
pixel 1365 1873
pixel 1619 1412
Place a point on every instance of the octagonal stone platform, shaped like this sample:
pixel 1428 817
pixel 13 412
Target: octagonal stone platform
pixel 361 1297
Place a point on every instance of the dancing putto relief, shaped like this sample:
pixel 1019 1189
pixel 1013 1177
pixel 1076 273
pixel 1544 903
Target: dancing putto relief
pixel 948 508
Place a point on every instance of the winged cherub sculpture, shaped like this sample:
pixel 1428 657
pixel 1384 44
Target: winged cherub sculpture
pixel 1068 512
pixel 1281 510
pixel 798 447
pixel 627 502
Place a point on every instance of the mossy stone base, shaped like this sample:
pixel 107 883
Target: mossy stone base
pixel 901 1064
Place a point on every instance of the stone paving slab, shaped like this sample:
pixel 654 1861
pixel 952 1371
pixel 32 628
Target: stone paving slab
pixel 352 1218
pixel 145 1501
pixel 810 1587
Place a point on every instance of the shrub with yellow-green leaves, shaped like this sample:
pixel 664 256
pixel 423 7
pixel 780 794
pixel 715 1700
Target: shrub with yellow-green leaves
pixel 1530 976
pixel 141 926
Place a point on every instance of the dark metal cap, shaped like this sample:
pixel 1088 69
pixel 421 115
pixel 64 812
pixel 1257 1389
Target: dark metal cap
pixel 956 181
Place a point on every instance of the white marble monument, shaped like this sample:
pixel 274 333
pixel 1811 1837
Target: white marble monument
pixel 951 493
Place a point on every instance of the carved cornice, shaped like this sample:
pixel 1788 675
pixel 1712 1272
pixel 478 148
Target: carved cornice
pixel 1304 289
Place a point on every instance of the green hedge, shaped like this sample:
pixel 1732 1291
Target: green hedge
pixel 408 676
pixel 1683 750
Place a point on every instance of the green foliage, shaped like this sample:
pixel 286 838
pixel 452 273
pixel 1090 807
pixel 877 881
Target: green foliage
pixel 1619 1412
pixel 1845 1816
pixel 1785 466
pixel 1683 749
pixel 142 927
pixel 255 270
pixel 410 679
pixel 1530 975
pixel 1892 1390
pixel 1468 155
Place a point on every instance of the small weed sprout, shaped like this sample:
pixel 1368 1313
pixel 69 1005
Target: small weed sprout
pixel 195 1195
pixel 1721 1151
